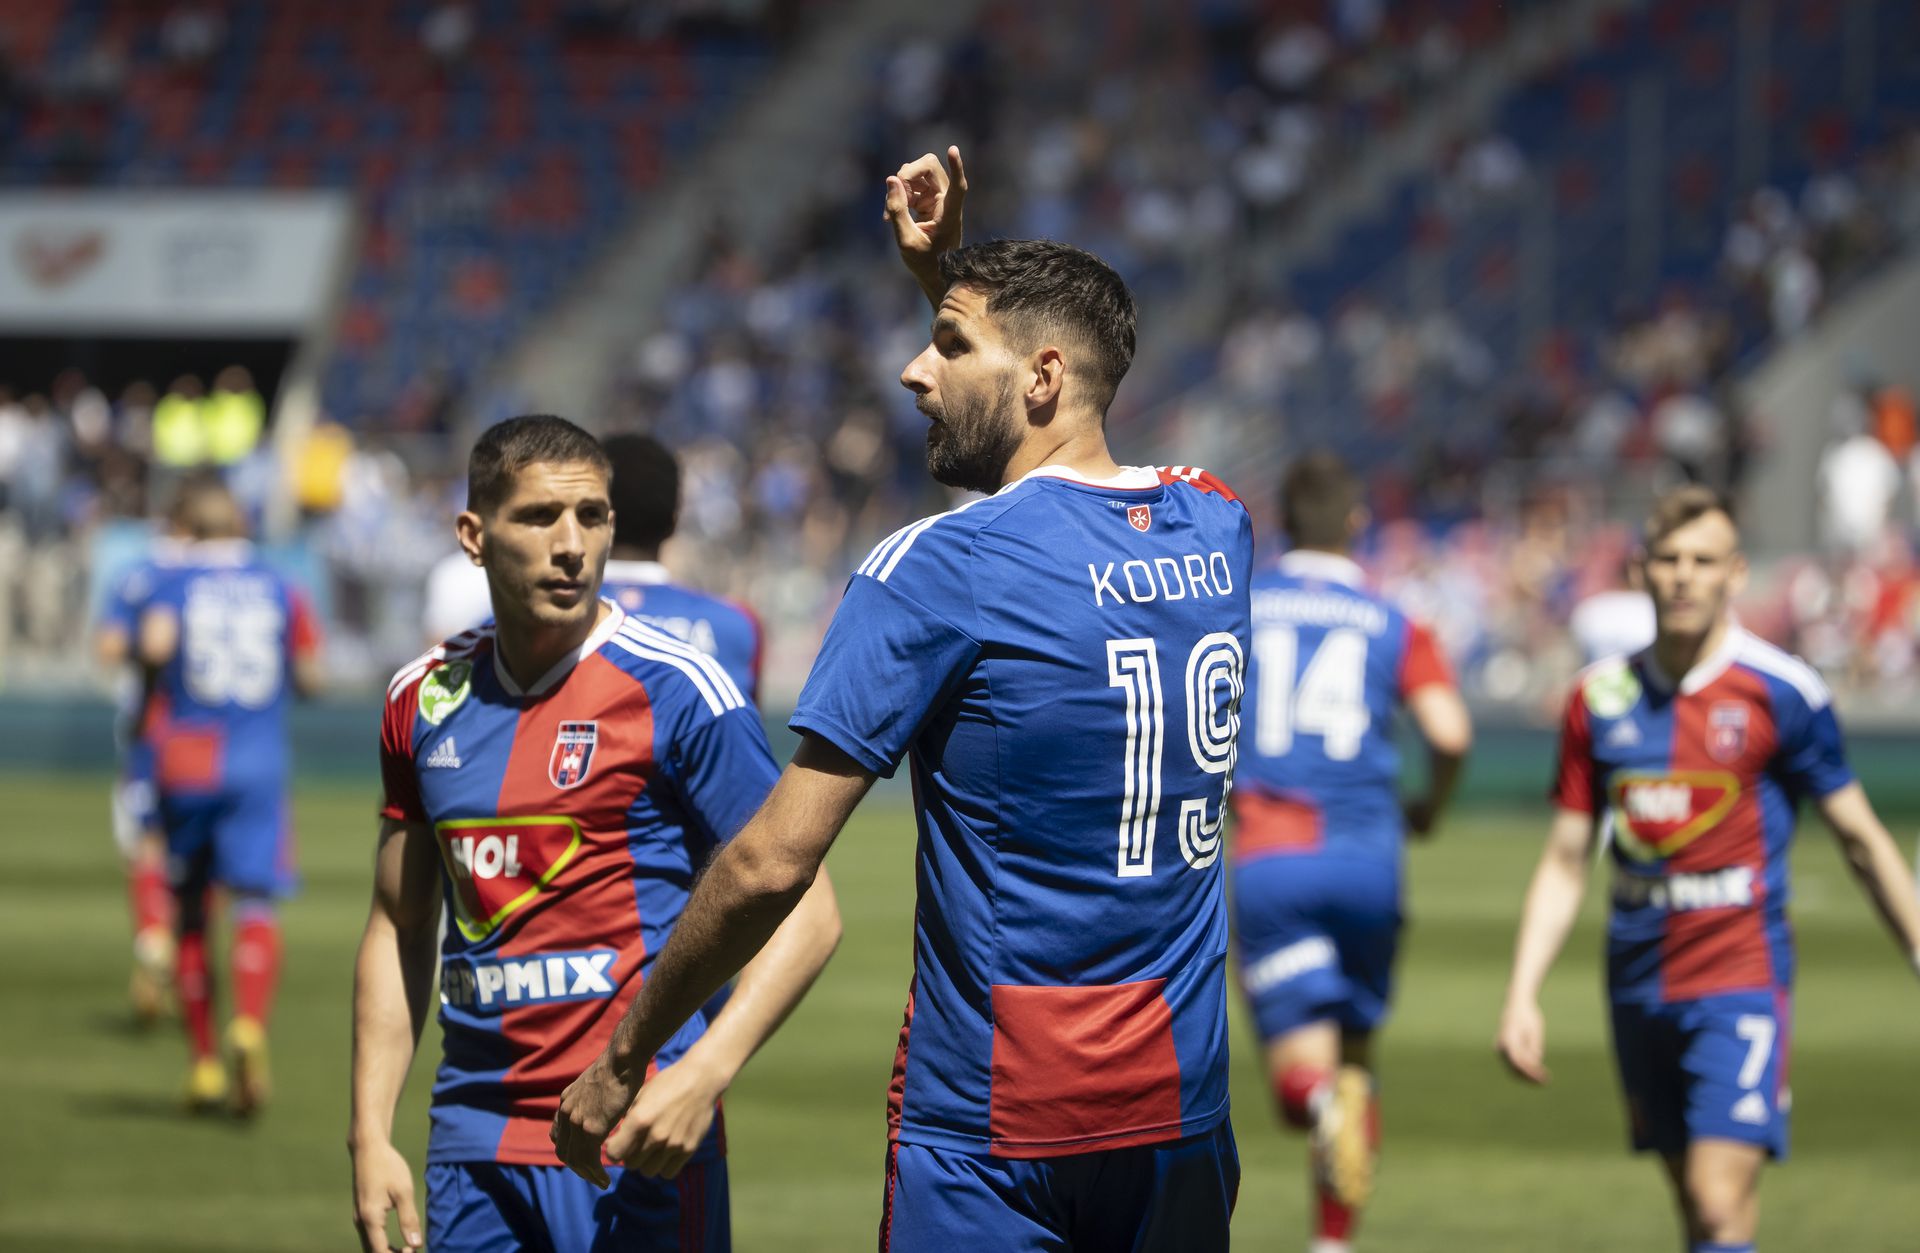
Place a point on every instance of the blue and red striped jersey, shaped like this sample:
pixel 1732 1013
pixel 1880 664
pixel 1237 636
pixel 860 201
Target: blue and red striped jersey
pixel 571 818
pixel 712 624
pixel 1700 781
pixel 1332 663
pixel 216 714
pixel 1061 663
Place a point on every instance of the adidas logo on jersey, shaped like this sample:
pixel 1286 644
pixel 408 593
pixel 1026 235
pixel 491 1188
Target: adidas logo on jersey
pixel 1752 1110
pixel 443 757
pixel 1623 735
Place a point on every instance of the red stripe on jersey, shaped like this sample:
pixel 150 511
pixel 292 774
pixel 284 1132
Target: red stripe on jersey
pixel 1079 1069
pixel 590 904
pixel 1274 824
pixel 398 776
pixel 1573 781
pixel 1707 951
pixel 1194 476
pixel 303 627
pixel 1422 662
pixel 897 1086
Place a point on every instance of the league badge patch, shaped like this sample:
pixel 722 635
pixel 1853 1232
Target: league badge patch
pixel 444 690
pixel 1140 517
pixel 1727 731
pixel 1611 690
pixel 572 753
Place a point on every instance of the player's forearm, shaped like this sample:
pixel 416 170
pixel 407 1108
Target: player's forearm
pixel 736 907
pixel 1553 902
pixel 1443 777
pixel 1882 872
pixel 392 978
pixel 771 985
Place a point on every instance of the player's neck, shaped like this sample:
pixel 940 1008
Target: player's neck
pixel 528 650
pixel 1677 655
pixel 1084 452
pixel 634 552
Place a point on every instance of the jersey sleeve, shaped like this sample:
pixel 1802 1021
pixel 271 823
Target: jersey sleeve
pixel 1422 662
pixel 399 780
pixel 902 639
pixel 1812 755
pixel 721 768
pixel 303 626
pixel 1575 782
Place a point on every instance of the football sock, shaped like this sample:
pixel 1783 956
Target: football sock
pixel 196 992
pixel 151 898
pixel 256 960
pixel 1335 1225
pixel 1295 1091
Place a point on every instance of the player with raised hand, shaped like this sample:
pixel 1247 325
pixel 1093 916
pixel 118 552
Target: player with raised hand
pixel 1699 750
pixel 227 641
pixel 558 778
pixel 1060 662
pixel 1319 824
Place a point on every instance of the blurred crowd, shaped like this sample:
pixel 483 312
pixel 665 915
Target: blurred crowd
pixel 774 366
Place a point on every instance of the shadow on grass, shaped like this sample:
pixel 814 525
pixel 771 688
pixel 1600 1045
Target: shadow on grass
pixel 151 1107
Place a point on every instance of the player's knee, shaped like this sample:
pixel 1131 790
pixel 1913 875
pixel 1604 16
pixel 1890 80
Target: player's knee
pixel 1721 1208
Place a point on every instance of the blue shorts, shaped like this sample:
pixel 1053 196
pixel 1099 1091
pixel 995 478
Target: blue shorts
pixel 240 839
pixel 136 811
pixel 489 1207
pixel 1713 1068
pixel 1157 1198
pixel 1317 940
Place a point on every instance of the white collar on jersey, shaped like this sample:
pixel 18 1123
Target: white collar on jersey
pixel 218 552
pixel 563 667
pixel 1704 671
pixel 648 572
pixel 1311 563
pixel 1130 478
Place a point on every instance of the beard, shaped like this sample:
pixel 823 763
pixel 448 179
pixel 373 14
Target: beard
pixel 970 443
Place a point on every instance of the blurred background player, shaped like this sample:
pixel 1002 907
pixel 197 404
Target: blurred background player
pixel 646 505
pixel 228 642
pixel 1319 823
pixel 565 771
pixel 1700 748
pixel 136 824
pixel 1060 1080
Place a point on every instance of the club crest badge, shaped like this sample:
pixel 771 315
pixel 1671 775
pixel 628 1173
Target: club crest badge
pixel 572 753
pixel 1727 731
pixel 1140 517
pixel 444 690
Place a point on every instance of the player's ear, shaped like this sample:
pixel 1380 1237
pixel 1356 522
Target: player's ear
pixel 1046 375
pixel 1737 574
pixel 468 529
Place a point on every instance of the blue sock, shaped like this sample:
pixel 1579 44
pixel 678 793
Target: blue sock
pixel 1710 1247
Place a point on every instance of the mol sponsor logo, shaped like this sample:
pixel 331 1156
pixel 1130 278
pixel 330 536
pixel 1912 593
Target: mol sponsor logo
pixel 1657 815
pixel 1732 888
pixel 498 984
pixel 498 866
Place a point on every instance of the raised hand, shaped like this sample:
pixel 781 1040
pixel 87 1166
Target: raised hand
pixel 926 204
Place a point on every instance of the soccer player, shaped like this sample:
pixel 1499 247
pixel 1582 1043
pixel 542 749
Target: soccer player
pixel 1061 664
pixel 1699 748
pixel 227 640
pixel 559 778
pixel 136 824
pixel 646 506
pixel 1319 824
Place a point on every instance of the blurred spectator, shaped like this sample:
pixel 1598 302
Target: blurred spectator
pixel 447 33
pixel 192 35
pixel 1858 481
pixel 233 417
pixel 179 432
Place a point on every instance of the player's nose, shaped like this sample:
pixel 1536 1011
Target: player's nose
pixel 918 376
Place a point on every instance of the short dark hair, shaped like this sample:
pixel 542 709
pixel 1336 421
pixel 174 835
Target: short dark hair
pixel 1044 288
pixel 646 490
pixel 531 439
pixel 1318 495
pixel 1681 506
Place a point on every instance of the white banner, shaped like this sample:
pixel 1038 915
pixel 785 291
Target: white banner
pixel 180 263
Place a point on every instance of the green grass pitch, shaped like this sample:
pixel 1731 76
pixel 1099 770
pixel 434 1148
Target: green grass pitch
pixel 96 1155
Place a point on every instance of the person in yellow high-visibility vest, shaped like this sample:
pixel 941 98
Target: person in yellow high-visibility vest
pixel 233 417
pixel 179 428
